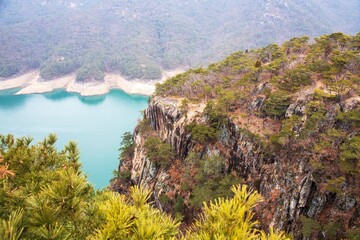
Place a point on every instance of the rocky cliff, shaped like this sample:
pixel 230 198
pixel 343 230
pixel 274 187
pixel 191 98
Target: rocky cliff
pixel 288 185
pixel 298 148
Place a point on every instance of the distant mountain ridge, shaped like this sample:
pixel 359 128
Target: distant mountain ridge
pixel 139 38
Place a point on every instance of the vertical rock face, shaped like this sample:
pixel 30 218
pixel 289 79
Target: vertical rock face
pixel 166 118
pixel 286 181
pixel 169 122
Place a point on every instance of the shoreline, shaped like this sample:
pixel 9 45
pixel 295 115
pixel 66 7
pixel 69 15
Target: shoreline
pixel 29 83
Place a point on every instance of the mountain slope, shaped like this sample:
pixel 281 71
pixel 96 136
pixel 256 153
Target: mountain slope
pixel 138 38
pixel 282 119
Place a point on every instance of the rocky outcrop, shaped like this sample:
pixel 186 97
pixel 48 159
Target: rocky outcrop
pixel 169 121
pixel 283 120
pixel 166 118
pixel 286 181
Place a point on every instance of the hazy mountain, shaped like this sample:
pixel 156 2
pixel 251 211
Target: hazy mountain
pixel 137 38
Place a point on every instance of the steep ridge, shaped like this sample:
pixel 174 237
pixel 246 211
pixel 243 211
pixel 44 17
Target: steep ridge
pixel 282 119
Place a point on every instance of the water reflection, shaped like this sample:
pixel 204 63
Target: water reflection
pixel 58 95
pixel 92 100
pixel 9 101
pixel 121 96
pixel 9 91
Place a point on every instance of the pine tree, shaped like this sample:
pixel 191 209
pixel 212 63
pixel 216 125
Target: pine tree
pixel 226 218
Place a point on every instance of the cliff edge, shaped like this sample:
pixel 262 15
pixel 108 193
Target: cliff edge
pixel 283 120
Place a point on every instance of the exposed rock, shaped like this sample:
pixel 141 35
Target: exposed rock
pixel 331 115
pixel 297 108
pixel 350 104
pixel 166 118
pixel 345 203
pixel 317 204
pixel 257 103
pixel 305 188
pixel 297 193
pixel 262 87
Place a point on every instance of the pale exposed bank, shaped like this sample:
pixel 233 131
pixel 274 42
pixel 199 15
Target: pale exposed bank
pixel 31 82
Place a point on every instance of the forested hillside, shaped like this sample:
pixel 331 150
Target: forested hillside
pixel 139 38
pixel 283 119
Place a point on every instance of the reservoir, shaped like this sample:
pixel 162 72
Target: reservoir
pixel 95 123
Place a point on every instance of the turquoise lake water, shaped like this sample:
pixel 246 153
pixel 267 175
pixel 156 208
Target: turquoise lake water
pixel 95 123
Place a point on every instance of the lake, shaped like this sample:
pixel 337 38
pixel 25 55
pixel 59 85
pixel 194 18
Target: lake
pixel 95 123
